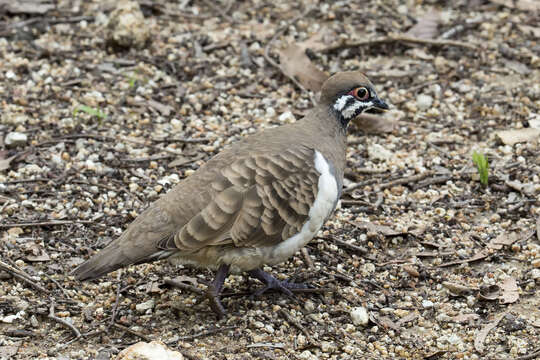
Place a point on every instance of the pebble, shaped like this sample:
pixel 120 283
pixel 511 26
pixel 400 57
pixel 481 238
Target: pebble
pixel 535 274
pixel 149 351
pixel 15 139
pixel 143 307
pixel 309 305
pixel 287 117
pixel 379 152
pixel 127 25
pixel 424 102
pixel 307 355
pixel 360 316
pixel 427 304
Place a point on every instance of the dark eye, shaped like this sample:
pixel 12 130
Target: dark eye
pixel 361 93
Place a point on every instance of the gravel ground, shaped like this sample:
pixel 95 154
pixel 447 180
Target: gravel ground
pixel 421 261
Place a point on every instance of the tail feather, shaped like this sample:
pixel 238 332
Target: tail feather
pixel 114 257
pixel 109 259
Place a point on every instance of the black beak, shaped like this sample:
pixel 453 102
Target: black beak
pixel 378 107
pixel 379 104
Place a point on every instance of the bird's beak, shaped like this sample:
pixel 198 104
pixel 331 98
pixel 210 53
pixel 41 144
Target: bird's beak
pixel 379 104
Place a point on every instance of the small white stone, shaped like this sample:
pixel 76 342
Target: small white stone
pixel 149 351
pixel 464 88
pixel 379 152
pixel 328 346
pixel 177 124
pixel 15 139
pixel 143 307
pixel 10 318
pixel 424 102
pixel 127 26
pixel 309 305
pixel 10 75
pixel 427 304
pixel 307 355
pixel 359 316
pixel 535 274
pixel 287 117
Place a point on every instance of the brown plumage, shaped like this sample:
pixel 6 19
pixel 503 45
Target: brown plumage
pixel 242 206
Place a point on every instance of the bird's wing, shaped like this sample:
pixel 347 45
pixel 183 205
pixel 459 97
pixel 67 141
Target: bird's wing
pixel 260 200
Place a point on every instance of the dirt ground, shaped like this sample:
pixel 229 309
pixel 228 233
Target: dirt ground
pixel 103 110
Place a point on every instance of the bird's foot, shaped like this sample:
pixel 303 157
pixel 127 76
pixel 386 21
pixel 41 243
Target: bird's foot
pixel 214 301
pixel 271 283
pixel 213 293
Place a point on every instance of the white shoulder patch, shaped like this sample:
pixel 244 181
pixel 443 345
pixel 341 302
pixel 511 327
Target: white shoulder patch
pixel 320 210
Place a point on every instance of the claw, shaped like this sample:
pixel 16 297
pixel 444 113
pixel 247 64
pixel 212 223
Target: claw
pixel 271 283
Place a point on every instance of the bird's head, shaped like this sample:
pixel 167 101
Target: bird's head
pixel 348 94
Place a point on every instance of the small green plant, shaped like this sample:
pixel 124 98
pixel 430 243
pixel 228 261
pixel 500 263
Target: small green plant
pixel 482 165
pixel 90 111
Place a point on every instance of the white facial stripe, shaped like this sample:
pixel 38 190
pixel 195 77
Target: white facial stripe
pixel 341 102
pixel 351 110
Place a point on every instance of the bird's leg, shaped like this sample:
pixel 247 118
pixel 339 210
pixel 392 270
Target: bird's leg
pixel 214 290
pixel 273 283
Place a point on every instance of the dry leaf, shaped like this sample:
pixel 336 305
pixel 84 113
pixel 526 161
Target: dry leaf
pixel 538 228
pixel 510 291
pixel 5 163
pixel 459 289
pixel 163 109
pixel 7 351
pixel 527 189
pixel 182 160
pixel 370 123
pixel 527 5
pixel 188 279
pixel 426 27
pixel 381 229
pixel 316 42
pixel 41 257
pixel 491 292
pixel 153 288
pixel 503 239
pixel 465 318
pixel 383 321
pixel 526 29
pixel 295 63
pixel 482 334
pixel 407 318
pixel 479 256
pixel 411 270
pixel 517 67
pixel 27 6
pixel 511 137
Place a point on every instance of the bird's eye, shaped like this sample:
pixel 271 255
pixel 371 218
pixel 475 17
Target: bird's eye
pixel 361 93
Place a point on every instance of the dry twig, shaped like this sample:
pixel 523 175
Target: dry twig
pixel 46 223
pixel 400 39
pixel 52 316
pixel 132 332
pixel 21 275
pixel 405 180
pixel 207 332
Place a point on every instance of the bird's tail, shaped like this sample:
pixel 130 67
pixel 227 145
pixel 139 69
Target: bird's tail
pixel 109 259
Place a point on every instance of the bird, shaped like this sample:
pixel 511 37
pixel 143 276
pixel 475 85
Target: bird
pixel 255 203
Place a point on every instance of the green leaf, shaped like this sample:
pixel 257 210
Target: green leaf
pixel 482 165
pixel 91 111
